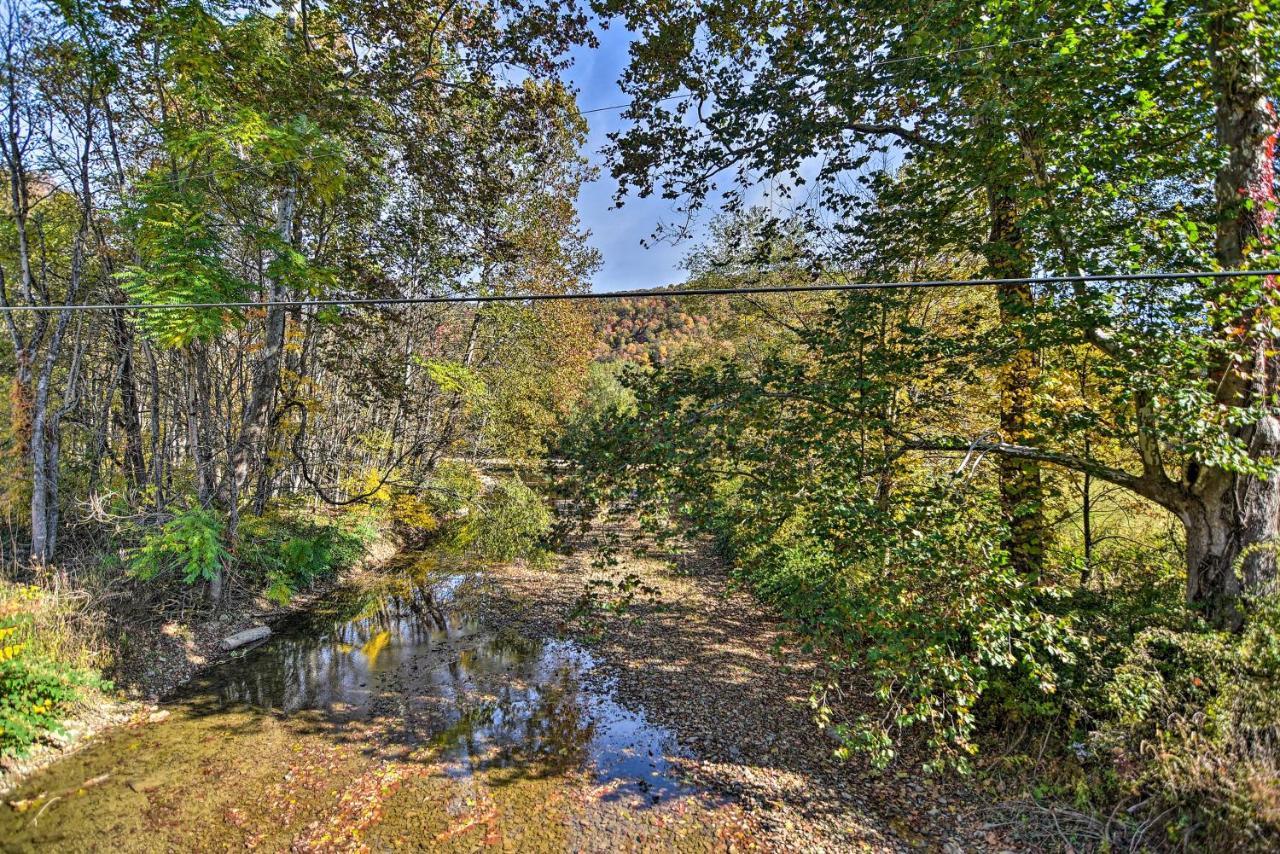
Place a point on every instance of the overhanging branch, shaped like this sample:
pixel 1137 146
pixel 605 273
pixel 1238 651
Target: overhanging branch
pixel 904 133
pixel 1167 495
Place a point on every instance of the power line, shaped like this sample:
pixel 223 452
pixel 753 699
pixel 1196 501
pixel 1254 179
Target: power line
pixel 685 96
pixel 660 294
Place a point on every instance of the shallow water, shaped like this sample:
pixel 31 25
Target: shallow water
pixel 384 722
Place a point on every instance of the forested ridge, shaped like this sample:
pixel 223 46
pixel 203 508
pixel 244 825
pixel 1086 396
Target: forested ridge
pixel 1024 532
pixel 647 329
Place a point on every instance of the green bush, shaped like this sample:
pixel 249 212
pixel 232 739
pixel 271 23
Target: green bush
pixel 277 553
pixel 34 698
pixel 454 487
pixel 192 543
pixel 510 521
pixel 927 612
pixel 36 689
pixel 288 555
pixel 1192 725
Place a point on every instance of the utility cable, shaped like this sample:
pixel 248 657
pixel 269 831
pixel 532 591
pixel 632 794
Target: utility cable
pixel 659 294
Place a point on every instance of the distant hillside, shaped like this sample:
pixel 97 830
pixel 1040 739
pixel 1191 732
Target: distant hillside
pixel 649 330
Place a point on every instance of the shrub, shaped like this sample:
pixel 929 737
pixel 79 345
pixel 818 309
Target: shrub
pixel 192 543
pixel 42 666
pixel 453 488
pixel 1193 727
pixel 287 555
pixel 509 522
pixel 34 697
pixel 933 616
pixel 413 513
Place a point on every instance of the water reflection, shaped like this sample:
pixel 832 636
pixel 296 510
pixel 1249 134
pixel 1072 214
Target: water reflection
pixel 394 721
pixel 488 702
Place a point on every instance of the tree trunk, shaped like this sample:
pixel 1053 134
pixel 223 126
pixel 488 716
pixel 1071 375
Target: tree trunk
pixel 1021 487
pixel 251 442
pixel 1231 541
pixel 1233 520
pixel 199 432
pixel 44 429
pixel 40 553
pixel 157 458
pixel 45 447
pixel 128 418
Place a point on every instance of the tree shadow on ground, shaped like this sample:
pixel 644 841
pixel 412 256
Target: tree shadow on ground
pixel 701 658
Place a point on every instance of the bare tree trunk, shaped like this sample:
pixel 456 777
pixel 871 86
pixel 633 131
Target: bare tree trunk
pixel 250 444
pixel 157 458
pixel 128 418
pixel 199 432
pixel 70 399
pixel 45 443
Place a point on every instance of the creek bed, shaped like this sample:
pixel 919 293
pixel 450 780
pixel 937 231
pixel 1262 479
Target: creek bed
pixel 383 721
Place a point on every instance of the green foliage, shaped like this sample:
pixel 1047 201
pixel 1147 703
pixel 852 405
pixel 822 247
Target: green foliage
pixel 604 397
pixel 41 677
pixel 455 378
pixel 287 555
pixel 509 521
pixel 191 543
pixel 939 623
pixel 1202 710
pixel 181 263
pixel 454 486
pixel 34 698
pixel 923 612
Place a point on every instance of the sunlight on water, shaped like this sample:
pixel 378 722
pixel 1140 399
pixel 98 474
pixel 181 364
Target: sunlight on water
pixel 388 717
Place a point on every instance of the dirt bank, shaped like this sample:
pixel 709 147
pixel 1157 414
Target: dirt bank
pixel 154 656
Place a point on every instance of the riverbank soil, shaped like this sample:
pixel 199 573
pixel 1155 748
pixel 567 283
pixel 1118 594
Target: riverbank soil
pixel 713 665
pixel 440 705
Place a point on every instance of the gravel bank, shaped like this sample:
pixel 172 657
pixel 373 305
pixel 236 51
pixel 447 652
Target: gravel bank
pixel 699 658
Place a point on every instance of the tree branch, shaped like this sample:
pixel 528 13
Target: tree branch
pixel 1166 494
pixel 899 131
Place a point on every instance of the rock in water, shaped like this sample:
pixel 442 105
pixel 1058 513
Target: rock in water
pixel 247 636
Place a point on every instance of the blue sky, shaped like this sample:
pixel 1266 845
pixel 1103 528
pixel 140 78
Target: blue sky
pixel 617 233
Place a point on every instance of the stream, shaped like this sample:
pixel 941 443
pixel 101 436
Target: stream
pixel 383 720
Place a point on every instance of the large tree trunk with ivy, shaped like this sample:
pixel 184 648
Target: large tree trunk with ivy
pixel 1232 519
pixel 1021 487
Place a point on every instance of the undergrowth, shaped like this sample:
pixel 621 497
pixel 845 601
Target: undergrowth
pixel 1096 699
pixel 49 652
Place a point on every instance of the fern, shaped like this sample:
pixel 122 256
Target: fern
pixel 190 543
